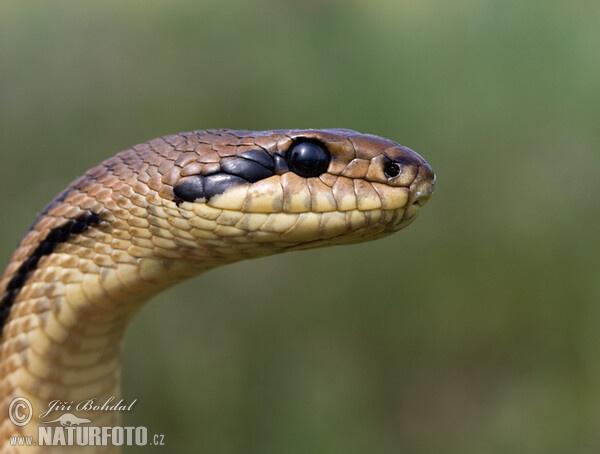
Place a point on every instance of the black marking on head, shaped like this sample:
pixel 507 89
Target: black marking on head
pixel 280 164
pixel 55 237
pixel 247 169
pixel 219 183
pixel 189 190
pixel 260 156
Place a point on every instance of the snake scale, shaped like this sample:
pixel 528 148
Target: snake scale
pixel 167 210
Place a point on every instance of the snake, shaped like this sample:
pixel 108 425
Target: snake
pixel 162 212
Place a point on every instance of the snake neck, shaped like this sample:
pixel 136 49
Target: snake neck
pixel 64 336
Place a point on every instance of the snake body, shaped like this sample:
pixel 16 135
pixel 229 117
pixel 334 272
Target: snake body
pixel 167 210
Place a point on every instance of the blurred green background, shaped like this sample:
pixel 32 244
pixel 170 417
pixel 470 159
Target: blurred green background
pixel 474 330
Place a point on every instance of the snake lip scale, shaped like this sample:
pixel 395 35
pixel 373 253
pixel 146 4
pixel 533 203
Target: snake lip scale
pixel 167 210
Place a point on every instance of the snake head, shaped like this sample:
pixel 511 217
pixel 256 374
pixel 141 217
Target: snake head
pixel 295 189
pixel 213 197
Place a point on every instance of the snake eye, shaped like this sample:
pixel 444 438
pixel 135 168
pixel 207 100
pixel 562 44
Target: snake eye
pixel 308 159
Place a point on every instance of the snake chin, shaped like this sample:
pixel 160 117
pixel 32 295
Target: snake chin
pixel 230 233
pixel 378 224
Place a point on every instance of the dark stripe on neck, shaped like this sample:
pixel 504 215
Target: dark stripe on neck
pixel 55 237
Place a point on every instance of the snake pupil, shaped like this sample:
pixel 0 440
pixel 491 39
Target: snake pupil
pixel 308 159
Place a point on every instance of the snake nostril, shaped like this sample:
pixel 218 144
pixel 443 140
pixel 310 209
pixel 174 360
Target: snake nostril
pixel 391 169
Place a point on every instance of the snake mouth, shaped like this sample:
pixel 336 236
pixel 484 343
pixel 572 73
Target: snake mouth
pixel 225 230
pixel 422 188
pixel 375 224
pixel 422 200
pixel 283 210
